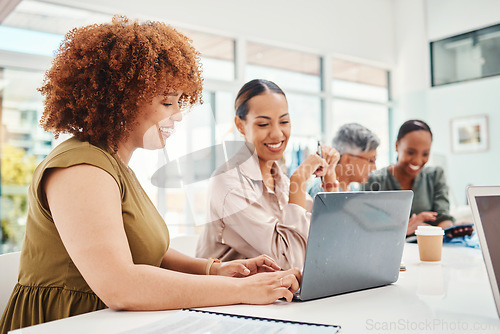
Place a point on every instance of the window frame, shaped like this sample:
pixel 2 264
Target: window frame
pixel 474 35
pixel 211 86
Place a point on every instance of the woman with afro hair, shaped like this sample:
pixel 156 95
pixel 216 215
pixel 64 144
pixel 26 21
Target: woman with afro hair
pixel 93 238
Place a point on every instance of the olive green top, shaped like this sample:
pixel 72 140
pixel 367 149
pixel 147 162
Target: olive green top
pixel 430 191
pixel 50 287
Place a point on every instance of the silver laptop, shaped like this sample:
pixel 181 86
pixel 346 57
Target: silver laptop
pixel 485 206
pixel 355 242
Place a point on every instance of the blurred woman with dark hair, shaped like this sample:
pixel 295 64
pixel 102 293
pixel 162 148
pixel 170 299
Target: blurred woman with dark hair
pixel 430 202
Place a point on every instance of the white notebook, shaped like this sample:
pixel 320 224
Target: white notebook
pixel 196 321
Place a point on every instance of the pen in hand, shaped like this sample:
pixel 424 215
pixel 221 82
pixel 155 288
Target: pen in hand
pixel 319 153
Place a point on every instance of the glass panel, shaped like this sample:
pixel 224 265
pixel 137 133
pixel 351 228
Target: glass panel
pixel 51 18
pixel 217 54
pixel 287 68
pixel 186 165
pixel 145 163
pixel 217 69
pixel 305 117
pixel 23 145
pixel 468 56
pixel 27 41
pixel 224 125
pixel 359 81
pixel 183 204
pixel 372 116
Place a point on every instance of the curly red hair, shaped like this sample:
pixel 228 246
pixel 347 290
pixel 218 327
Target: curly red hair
pixel 102 72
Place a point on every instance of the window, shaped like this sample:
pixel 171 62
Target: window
pixel 306 121
pixel 358 81
pixel 171 176
pixel 217 54
pixel 472 55
pixel 49 18
pixel 361 95
pixel 28 41
pixel 373 116
pixel 224 117
pixel 298 74
pixel 176 179
pixel 289 69
pixel 23 145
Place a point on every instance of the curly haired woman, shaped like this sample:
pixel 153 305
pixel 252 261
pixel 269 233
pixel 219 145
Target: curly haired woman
pixel 93 237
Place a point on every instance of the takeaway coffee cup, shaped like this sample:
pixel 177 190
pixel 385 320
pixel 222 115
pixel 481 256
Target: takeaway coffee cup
pixel 430 242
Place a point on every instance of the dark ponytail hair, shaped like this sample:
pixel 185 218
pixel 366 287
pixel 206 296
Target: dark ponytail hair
pixel 251 89
pixel 413 125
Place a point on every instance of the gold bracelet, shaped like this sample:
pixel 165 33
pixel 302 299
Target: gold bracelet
pixel 209 265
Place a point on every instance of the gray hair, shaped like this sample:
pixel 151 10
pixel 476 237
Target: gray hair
pixel 353 138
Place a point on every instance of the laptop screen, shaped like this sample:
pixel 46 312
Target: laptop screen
pixel 489 212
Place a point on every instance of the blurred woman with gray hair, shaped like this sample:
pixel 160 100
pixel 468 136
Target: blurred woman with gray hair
pixel 357 146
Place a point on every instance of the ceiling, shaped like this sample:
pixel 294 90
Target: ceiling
pixel 55 19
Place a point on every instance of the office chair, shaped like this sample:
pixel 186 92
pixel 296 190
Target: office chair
pixel 9 266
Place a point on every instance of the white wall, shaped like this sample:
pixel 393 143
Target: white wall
pixel 465 99
pixel 410 76
pixel 451 17
pixel 355 28
pixel 417 23
pixel 412 57
pixel 391 33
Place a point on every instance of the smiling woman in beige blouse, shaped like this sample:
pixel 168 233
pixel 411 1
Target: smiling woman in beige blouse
pixel 254 208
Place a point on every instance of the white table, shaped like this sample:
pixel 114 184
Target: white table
pixel 453 296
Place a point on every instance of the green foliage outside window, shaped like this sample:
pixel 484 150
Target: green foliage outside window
pixel 17 169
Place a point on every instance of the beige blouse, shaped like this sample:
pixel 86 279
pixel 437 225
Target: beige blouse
pixel 246 219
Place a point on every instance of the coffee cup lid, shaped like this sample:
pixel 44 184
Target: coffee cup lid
pixel 429 230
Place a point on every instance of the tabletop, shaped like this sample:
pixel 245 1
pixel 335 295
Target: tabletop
pixel 451 296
